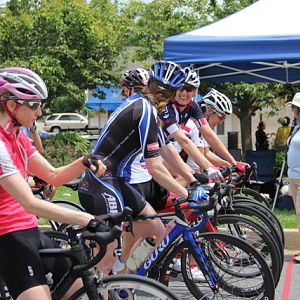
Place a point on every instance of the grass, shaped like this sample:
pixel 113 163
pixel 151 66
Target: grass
pixel 62 193
pixel 287 218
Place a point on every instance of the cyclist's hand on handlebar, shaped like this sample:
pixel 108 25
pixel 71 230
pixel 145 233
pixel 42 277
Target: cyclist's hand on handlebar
pixel 198 194
pixel 214 174
pixel 241 166
pixel 95 225
pixel 94 163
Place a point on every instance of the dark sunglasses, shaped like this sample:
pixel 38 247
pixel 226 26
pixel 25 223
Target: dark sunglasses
pixel 34 105
pixel 188 88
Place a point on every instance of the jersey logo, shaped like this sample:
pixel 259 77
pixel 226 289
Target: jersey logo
pixel 153 146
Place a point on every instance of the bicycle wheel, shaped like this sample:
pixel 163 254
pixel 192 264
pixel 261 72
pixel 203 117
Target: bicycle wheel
pixel 267 211
pixel 60 238
pixel 256 236
pixel 253 195
pixel 253 282
pixel 256 216
pixel 129 287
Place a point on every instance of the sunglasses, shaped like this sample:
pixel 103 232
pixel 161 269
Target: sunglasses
pixel 188 88
pixel 34 105
pixel 220 116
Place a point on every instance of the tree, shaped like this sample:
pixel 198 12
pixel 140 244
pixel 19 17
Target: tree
pixel 73 45
pixel 150 23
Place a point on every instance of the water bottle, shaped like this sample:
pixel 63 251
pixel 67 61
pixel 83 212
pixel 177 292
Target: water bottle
pixel 118 266
pixel 141 253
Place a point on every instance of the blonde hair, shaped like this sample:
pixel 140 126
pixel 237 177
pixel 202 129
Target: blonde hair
pixel 159 94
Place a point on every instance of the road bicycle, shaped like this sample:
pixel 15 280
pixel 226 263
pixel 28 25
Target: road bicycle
pixel 77 246
pixel 231 267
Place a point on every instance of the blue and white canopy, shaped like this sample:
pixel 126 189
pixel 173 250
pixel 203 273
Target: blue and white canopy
pixel 258 43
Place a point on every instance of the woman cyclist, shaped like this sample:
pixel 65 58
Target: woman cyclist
pixel 176 115
pixel 215 107
pixel 21 95
pixel 130 139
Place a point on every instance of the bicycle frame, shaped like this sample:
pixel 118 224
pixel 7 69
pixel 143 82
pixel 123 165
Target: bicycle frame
pixel 182 229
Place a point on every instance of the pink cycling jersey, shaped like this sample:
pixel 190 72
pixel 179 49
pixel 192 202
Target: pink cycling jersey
pixel 15 150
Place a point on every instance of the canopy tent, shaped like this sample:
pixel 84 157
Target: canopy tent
pixel 111 102
pixel 259 43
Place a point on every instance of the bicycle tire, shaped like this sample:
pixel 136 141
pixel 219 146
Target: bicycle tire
pixel 136 287
pixel 256 216
pixel 201 290
pixel 256 236
pixel 60 238
pixel 266 211
pixel 252 194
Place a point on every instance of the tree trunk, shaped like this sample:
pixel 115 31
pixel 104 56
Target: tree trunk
pixel 246 135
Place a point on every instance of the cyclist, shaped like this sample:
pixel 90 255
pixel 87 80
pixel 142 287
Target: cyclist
pixel 21 95
pixel 179 111
pixel 130 139
pixel 215 107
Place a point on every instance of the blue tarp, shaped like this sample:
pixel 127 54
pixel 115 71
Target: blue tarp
pixel 111 102
pixel 258 43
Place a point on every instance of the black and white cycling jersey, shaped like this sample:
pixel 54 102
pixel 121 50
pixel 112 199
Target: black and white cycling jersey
pixel 129 136
pixel 174 119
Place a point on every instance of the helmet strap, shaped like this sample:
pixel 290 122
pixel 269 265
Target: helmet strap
pixel 12 115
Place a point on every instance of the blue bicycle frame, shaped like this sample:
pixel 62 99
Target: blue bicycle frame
pixel 187 233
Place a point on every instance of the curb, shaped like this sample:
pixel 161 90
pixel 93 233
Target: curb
pixel 292 239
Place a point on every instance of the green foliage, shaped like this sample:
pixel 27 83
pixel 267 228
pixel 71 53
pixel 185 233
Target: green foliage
pixel 70 43
pixel 65 147
pixel 148 24
pixel 280 156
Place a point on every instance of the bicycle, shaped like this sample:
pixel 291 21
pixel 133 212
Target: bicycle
pixel 94 285
pixel 221 258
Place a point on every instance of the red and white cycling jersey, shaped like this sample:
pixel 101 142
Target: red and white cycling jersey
pixel 15 150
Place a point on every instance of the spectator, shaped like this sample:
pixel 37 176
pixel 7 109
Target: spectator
pixel 262 142
pixel 282 133
pixel 293 161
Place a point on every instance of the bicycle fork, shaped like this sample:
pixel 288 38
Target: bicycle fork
pixel 202 261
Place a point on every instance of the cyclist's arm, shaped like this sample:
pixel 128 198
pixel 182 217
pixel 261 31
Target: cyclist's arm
pixel 215 159
pixel 41 168
pixel 19 189
pixel 214 141
pixel 171 156
pixel 190 148
pixel 163 177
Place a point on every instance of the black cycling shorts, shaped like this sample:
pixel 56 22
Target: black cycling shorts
pixel 20 264
pixel 108 195
pixel 153 193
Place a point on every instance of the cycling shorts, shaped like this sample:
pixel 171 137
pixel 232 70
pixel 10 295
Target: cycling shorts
pixel 108 195
pixel 153 193
pixel 20 264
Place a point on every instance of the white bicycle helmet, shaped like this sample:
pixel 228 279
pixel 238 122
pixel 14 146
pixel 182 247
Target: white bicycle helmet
pixel 192 77
pixel 135 78
pixel 218 101
pixel 23 84
pixel 168 73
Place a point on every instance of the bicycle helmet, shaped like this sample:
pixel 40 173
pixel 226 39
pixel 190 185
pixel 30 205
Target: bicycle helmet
pixel 168 73
pixel 218 101
pixel 23 84
pixel 192 77
pixel 135 78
